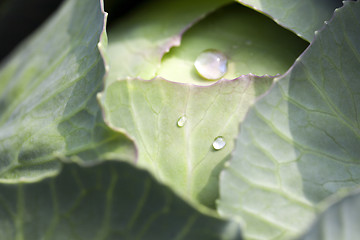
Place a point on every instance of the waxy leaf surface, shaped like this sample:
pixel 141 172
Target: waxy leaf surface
pixel 300 143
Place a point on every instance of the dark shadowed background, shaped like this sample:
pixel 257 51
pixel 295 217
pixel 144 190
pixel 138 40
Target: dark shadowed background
pixel 19 18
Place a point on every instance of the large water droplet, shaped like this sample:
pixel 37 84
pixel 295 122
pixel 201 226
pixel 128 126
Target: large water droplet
pixel 211 64
pixel 219 143
pixel 181 121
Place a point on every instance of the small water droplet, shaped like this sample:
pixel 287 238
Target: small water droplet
pixel 211 64
pixel 219 143
pixel 181 121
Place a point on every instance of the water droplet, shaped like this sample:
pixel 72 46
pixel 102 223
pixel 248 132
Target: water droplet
pixel 219 143
pixel 181 121
pixel 211 64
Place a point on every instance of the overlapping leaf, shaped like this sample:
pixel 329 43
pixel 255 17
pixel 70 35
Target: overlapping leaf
pixel 302 17
pixel 108 201
pixel 48 107
pixel 300 143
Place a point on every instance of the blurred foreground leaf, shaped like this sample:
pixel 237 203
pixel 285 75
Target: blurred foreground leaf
pixel 48 107
pixel 338 221
pixel 108 201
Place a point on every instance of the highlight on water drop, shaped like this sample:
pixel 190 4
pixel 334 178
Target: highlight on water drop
pixel 181 121
pixel 211 64
pixel 219 143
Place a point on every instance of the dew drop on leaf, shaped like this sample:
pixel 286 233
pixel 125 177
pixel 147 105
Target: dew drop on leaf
pixel 211 64
pixel 181 121
pixel 219 143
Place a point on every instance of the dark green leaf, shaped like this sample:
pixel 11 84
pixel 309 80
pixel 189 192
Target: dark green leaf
pixel 108 201
pixel 303 17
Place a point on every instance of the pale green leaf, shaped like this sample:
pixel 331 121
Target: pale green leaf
pixel 302 17
pixel 252 43
pixel 182 157
pixel 108 201
pixel 340 221
pixel 48 107
pixel 300 143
